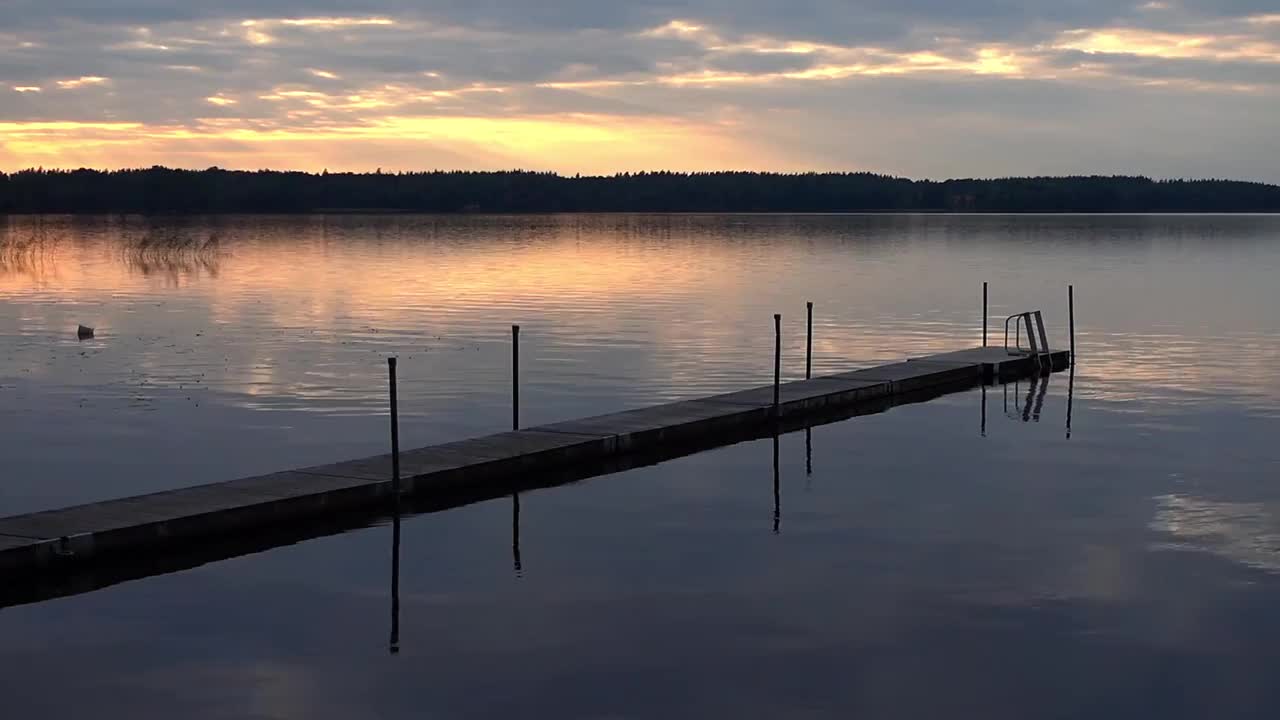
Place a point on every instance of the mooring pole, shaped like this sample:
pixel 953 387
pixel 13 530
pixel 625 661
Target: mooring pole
pixel 984 314
pixel 808 346
pixel 1071 319
pixel 777 362
pixel 515 377
pixel 395 432
pixel 515 425
pixel 395 491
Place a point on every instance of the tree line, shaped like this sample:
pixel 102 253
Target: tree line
pixel 161 190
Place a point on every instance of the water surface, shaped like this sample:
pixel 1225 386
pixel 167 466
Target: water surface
pixel 913 564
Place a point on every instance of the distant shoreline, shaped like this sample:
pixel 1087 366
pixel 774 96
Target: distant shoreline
pixel 162 191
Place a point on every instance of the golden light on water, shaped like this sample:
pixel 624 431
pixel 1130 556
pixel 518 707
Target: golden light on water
pixel 391 269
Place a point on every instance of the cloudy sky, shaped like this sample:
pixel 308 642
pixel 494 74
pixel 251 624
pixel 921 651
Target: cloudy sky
pixel 926 88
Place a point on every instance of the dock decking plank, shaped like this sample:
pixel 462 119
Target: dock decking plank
pixel 808 394
pixel 919 374
pixel 649 426
pixel 163 506
pixel 464 455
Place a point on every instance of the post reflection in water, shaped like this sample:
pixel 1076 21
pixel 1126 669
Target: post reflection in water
pixel 808 458
pixel 1071 395
pixel 983 429
pixel 777 490
pixel 395 580
pixel 515 535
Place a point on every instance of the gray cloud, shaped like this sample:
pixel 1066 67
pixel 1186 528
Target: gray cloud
pixel 932 86
pixel 829 19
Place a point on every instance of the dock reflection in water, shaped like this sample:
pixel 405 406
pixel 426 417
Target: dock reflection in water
pixel 1004 557
pixel 1037 394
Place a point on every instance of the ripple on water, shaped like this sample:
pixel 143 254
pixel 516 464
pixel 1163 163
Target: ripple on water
pixel 292 318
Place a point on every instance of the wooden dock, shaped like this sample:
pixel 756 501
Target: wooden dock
pixel 136 527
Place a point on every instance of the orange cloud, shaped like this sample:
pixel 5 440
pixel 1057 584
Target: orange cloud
pixel 847 63
pixel 334 22
pixel 573 143
pixel 83 81
pixel 1169 45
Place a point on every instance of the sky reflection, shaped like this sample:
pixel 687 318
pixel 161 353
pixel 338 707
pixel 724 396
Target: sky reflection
pixel 238 345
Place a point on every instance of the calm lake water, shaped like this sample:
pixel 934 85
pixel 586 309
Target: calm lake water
pixel 917 563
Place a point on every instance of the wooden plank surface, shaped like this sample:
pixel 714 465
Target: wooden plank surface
pixel 919 374
pixel 170 505
pixel 457 456
pixel 650 418
pixel 987 355
pixel 802 391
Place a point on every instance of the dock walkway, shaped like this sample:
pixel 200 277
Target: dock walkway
pixel 135 526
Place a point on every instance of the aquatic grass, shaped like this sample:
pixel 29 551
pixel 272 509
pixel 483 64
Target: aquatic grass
pixel 27 253
pixel 173 251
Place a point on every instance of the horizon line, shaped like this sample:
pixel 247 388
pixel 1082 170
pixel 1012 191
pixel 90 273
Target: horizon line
pixel 630 173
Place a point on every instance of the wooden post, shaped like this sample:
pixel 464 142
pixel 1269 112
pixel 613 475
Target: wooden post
pixel 395 491
pixel 515 377
pixel 808 346
pixel 777 363
pixel 984 314
pixel 1071 318
pixel 395 432
pixel 1071 382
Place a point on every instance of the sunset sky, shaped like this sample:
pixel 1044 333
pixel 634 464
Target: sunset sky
pixel 926 88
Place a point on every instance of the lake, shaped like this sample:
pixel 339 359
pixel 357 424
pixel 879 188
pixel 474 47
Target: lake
pixel 969 556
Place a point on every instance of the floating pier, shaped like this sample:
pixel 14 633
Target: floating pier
pixel 134 527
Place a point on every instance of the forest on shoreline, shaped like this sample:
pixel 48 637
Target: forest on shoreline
pixel 169 191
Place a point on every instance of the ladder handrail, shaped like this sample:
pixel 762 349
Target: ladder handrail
pixel 1017 316
pixel 1038 329
pixel 1038 350
pixel 1044 338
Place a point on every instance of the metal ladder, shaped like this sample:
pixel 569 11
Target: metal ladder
pixel 1036 337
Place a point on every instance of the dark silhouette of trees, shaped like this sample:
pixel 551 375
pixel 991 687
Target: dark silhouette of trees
pixel 164 190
